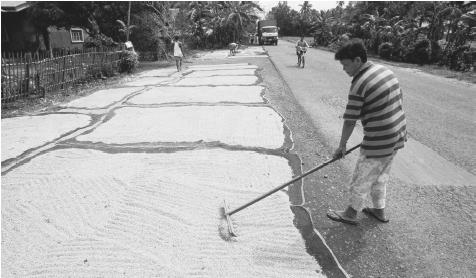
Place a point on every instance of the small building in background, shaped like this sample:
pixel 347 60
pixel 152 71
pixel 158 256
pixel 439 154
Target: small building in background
pixel 19 34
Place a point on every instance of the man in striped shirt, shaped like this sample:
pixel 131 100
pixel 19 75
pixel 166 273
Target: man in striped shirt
pixel 375 99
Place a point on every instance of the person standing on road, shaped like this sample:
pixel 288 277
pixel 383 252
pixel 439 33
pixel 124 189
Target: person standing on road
pixel 375 98
pixel 301 48
pixel 178 53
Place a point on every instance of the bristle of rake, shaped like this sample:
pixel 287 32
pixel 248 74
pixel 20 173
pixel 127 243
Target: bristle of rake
pixel 225 228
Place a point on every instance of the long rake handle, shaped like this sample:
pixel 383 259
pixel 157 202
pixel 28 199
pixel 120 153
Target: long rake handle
pixel 288 183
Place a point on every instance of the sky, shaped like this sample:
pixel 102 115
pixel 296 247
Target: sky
pixel 318 5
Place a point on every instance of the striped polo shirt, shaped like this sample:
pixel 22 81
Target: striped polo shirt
pixel 375 98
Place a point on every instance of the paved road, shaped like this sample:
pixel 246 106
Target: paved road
pixel 431 194
pixel 440 114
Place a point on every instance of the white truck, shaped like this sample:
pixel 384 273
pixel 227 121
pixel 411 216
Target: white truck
pixel 267 32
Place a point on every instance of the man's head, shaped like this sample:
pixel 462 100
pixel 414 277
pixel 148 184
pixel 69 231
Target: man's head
pixel 352 55
pixel 302 38
pixel 176 38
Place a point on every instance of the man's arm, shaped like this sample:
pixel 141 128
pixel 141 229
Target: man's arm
pixel 347 129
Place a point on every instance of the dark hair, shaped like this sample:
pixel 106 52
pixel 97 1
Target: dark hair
pixel 176 38
pixel 351 50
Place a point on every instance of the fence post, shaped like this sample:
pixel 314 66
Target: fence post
pixel 64 71
pixel 10 70
pixel 27 71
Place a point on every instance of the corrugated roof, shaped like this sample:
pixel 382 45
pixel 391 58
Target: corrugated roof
pixel 14 6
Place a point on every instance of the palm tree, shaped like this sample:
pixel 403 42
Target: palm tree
pixel 200 15
pixel 305 18
pixel 240 13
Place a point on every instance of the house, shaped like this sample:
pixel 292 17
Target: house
pixel 20 34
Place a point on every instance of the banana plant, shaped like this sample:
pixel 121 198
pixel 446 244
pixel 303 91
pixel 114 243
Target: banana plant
pixel 126 29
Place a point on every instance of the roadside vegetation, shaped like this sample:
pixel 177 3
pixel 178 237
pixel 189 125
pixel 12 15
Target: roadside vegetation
pixel 151 25
pixel 433 32
pixel 436 32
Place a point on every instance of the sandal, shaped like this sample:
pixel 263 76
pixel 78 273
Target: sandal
pixel 339 217
pixel 371 212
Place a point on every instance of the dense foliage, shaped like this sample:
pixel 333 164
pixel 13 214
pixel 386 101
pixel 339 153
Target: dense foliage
pixel 417 32
pixel 129 61
pixel 153 24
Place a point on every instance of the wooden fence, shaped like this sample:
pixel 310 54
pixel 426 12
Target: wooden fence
pixel 29 74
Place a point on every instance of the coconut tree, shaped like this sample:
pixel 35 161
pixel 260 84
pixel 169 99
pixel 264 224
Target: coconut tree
pixel 322 27
pixel 282 14
pixel 200 16
pixel 239 14
pixel 305 18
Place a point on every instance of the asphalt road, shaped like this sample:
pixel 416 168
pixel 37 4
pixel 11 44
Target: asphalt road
pixel 431 192
pixel 440 114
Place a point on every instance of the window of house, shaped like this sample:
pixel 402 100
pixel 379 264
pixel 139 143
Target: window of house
pixel 76 35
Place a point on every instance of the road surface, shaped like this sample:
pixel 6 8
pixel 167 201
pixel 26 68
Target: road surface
pixel 431 192
pixel 440 114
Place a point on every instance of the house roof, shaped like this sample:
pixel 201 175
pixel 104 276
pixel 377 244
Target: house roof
pixel 14 6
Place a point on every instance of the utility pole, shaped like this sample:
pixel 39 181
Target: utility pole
pixel 128 22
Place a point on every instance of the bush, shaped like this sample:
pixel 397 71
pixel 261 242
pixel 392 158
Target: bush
pixel 99 41
pixel 436 52
pixel 385 50
pixel 107 70
pixel 458 58
pixel 129 61
pixel 422 52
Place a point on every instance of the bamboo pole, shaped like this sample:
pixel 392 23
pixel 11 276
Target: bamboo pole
pixel 20 73
pixel 10 70
pixel 27 70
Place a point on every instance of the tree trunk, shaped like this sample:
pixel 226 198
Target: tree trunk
pixel 46 37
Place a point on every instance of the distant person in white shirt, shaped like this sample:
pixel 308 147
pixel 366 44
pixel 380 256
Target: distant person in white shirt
pixel 178 53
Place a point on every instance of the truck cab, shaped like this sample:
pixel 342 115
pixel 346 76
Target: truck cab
pixel 267 32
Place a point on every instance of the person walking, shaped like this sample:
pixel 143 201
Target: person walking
pixel 178 53
pixel 375 98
